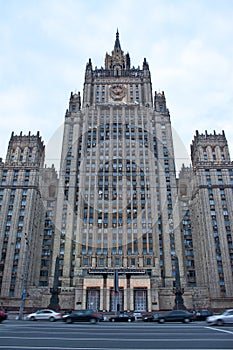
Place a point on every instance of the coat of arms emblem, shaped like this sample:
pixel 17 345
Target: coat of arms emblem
pixel 117 92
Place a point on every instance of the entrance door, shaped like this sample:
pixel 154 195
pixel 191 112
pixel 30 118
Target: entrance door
pixel 93 299
pixel 140 299
pixel 116 300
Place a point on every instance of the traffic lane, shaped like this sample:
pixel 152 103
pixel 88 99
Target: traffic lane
pixel 113 343
pixel 118 336
pixel 168 329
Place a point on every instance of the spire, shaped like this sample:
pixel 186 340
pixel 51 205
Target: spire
pixel 117 60
pixel 117 42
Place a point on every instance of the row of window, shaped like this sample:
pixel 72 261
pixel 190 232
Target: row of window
pixel 13 192
pixel 214 157
pixel 116 261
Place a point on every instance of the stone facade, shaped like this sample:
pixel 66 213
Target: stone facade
pixel 117 191
pixel 22 214
pixel 116 219
pixel 212 214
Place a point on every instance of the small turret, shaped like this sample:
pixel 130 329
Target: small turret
pixel 127 58
pixel 209 147
pixel 160 102
pixel 75 102
pixel 145 65
pixel 88 73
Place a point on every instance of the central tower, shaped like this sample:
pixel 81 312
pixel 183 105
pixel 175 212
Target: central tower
pixel 118 83
pixel 117 204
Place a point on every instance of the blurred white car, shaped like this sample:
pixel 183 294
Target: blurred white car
pixel 219 320
pixel 49 315
pixel 137 315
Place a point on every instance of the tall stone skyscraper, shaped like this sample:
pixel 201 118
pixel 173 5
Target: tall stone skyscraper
pixel 22 215
pixel 117 207
pixel 212 216
pixel 115 229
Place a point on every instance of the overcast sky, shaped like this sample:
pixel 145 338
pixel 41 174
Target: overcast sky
pixel 45 45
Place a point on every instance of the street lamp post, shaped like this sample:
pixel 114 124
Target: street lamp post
pixel 55 290
pixel 178 291
pixel 116 291
pixel 25 277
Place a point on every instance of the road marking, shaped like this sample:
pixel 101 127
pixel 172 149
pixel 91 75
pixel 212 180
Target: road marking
pixel 79 348
pixel 114 339
pixel 220 330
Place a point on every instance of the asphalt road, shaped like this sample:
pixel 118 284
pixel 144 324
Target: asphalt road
pixel 39 335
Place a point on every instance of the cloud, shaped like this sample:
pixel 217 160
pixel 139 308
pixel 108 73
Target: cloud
pixel 45 46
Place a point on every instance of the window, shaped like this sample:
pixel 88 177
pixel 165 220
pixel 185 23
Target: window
pixel 85 261
pixel 132 261
pixel 117 261
pixel 101 262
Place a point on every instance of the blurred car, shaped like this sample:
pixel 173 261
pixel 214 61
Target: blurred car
pixel 137 315
pixel 202 315
pixel 3 316
pixel 122 317
pixel 151 318
pixel 67 312
pixel 219 320
pixel 176 316
pixel 46 314
pixel 83 316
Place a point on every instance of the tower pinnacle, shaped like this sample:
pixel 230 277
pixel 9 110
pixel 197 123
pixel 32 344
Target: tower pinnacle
pixel 117 42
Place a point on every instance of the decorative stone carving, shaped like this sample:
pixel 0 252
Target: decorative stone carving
pixel 117 92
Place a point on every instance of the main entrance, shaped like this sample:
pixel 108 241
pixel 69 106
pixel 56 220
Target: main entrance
pixel 116 300
pixel 140 299
pixel 100 292
pixel 93 298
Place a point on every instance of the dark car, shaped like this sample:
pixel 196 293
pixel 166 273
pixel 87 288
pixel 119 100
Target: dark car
pixel 82 316
pixel 151 318
pixel 176 316
pixel 123 317
pixel 202 315
pixel 3 316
